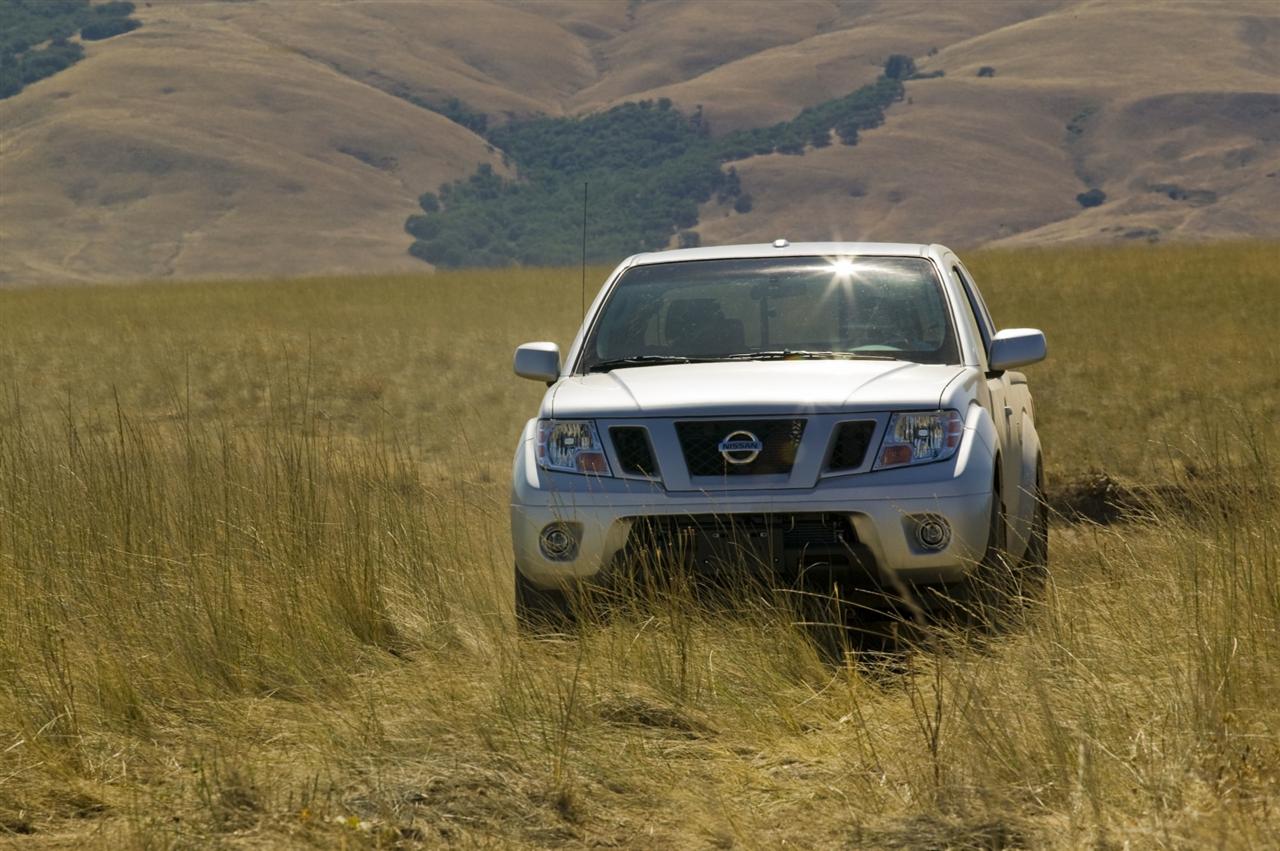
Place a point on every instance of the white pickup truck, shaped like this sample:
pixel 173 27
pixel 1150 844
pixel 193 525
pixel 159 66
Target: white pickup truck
pixel 845 411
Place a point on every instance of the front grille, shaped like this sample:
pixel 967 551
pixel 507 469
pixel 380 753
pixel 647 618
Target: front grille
pixel 700 442
pixel 635 455
pixel 849 448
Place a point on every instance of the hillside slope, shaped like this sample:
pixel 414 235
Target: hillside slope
pixel 268 137
pixel 1176 117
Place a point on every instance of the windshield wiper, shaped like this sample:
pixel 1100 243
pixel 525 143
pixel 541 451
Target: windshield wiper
pixel 643 360
pixel 802 354
pixel 775 354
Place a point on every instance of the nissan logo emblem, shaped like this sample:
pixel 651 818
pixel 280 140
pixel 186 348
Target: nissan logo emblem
pixel 740 447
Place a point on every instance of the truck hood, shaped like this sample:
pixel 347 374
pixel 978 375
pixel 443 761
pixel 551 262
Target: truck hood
pixel 749 387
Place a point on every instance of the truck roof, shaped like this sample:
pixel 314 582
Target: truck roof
pixel 782 248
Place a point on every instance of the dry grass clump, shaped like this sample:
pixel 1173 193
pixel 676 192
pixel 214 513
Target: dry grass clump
pixel 251 601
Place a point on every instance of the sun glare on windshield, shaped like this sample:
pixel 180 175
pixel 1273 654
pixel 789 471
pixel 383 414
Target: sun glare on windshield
pixel 843 270
pixel 842 267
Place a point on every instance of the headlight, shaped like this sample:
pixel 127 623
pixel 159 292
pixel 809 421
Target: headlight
pixel 571 446
pixel 920 438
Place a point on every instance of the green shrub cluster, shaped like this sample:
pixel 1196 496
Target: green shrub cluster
pixel 647 166
pixel 35 36
pixel 1092 198
pixel 859 110
pixel 104 26
pixel 451 108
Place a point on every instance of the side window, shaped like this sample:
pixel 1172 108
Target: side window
pixel 985 326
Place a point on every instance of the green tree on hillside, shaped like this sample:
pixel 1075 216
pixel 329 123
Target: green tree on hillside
pixel 647 165
pixel 899 67
pixel 35 36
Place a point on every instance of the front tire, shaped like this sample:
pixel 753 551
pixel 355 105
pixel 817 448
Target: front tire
pixel 1036 559
pixel 1034 568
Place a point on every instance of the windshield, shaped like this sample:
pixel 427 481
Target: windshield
pixel 882 307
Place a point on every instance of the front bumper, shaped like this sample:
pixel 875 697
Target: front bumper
pixel 882 509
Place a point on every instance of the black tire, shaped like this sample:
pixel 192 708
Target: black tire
pixel 995 558
pixel 1033 571
pixel 1036 559
pixel 541 612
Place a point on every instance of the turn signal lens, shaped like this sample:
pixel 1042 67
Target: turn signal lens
pixel 592 462
pixel 892 456
pixel 920 438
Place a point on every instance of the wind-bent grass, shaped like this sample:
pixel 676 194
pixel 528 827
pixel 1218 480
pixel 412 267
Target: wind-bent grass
pixel 253 543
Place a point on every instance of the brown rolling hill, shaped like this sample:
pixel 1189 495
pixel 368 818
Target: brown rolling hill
pixel 277 137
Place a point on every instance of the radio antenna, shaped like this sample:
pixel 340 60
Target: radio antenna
pixel 584 249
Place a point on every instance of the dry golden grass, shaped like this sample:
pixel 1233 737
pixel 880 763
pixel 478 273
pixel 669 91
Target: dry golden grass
pixel 257 592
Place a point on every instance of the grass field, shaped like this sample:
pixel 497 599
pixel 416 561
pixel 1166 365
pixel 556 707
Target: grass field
pixel 256 591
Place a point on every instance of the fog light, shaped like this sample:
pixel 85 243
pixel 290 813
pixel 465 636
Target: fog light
pixel 558 542
pixel 933 533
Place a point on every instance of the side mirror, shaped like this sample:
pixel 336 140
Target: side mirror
pixel 539 361
pixel 1016 347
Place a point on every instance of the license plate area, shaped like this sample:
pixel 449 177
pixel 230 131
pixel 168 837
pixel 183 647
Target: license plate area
pixel 778 544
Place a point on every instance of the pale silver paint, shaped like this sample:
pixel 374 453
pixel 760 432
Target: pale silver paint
pixel 1015 347
pixel 539 361
pixel 749 387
